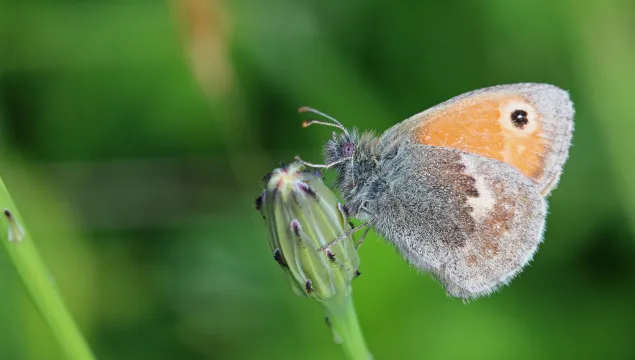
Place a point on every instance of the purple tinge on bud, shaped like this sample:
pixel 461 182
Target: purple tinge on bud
pixel 258 201
pixel 302 186
pixel 303 218
pixel 277 256
pixel 295 227
pixel 330 254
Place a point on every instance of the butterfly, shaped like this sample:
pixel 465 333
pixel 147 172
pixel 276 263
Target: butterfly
pixel 459 189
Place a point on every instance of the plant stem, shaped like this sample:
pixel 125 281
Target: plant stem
pixel 343 320
pixel 39 282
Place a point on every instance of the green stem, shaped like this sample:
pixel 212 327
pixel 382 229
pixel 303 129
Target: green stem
pixel 343 321
pixel 38 281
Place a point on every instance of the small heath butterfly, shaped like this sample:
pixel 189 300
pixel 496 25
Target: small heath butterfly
pixel 460 188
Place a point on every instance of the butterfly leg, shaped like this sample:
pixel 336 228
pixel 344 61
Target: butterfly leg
pixel 361 239
pixel 322 166
pixel 367 225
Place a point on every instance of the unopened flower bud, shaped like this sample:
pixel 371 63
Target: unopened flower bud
pixel 308 233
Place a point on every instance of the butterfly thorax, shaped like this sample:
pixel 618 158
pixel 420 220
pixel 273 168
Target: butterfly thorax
pixel 358 177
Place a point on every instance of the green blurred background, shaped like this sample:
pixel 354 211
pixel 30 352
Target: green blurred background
pixel 133 136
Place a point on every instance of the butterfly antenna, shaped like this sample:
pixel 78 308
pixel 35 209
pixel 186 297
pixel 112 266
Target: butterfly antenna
pixel 311 122
pixel 336 124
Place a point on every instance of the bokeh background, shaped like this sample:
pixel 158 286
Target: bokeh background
pixel 133 135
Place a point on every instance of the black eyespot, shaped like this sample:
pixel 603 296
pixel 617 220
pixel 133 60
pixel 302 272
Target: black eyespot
pixel 519 118
pixel 347 150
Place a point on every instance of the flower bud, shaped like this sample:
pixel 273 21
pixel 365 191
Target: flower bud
pixel 307 227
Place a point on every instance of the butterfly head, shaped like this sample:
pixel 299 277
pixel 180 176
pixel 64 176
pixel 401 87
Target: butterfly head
pixel 354 158
pixel 350 153
pixel 341 148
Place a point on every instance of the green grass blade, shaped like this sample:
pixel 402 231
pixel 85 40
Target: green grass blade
pixel 38 281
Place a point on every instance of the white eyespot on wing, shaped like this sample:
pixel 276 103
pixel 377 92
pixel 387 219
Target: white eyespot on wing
pixel 519 118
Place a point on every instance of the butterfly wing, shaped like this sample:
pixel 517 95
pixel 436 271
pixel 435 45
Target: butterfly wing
pixel 470 221
pixel 528 126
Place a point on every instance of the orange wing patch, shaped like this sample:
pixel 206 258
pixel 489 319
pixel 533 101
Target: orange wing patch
pixel 503 127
